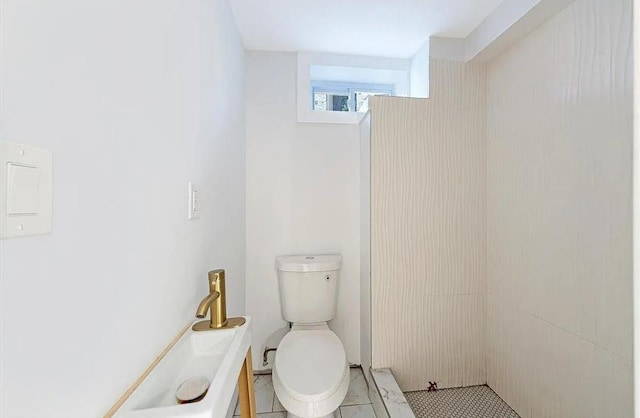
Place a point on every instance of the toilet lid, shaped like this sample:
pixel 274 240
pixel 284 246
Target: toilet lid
pixel 310 364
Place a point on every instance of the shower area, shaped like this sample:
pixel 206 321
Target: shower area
pixel 496 259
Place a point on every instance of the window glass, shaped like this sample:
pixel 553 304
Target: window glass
pixel 361 97
pixel 319 101
pixel 337 102
pixel 345 96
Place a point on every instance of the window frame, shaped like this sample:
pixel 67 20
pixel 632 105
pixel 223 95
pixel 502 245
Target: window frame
pixel 347 87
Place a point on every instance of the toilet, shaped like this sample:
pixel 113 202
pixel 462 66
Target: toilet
pixel 311 372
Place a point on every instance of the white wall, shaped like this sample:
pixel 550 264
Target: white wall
pixel 303 196
pixel 559 216
pixel 419 74
pixel 135 99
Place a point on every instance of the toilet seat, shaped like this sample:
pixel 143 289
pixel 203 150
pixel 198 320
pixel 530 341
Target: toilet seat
pixel 311 373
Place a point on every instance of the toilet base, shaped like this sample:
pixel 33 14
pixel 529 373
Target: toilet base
pixel 334 414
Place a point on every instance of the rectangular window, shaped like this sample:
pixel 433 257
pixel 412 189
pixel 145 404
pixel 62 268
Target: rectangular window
pixel 337 96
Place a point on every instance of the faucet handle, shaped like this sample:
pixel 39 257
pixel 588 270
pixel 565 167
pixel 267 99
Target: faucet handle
pixel 216 275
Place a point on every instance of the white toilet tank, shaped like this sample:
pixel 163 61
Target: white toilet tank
pixel 308 287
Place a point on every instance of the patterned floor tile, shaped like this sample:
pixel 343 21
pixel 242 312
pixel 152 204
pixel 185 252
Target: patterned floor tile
pixel 475 401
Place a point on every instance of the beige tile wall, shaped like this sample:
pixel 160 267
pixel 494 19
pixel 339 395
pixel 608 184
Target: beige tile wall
pixel 428 211
pixel 538 304
pixel 559 228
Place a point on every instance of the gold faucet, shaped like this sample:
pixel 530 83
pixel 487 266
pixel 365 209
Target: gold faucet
pixel 216 303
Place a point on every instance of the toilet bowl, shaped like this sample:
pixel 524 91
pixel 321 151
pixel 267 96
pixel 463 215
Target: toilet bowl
pixel 311 372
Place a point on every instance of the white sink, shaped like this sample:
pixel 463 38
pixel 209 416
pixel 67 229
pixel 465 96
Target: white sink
pixel 217 355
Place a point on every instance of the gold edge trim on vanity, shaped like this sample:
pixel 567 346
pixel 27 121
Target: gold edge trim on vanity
pixel 144 375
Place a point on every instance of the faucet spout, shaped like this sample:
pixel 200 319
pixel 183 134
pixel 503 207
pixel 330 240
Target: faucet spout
pixel 205 304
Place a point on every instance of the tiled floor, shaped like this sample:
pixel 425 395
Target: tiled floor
pixel 475 401
pixel 355 405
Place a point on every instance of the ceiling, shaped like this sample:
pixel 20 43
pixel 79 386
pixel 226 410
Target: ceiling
pixel 389 28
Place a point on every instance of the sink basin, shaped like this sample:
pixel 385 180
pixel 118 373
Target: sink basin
pixel 217 355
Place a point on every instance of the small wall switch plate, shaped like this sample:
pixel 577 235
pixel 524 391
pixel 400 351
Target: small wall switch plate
pixel 194 201
pixel 26 190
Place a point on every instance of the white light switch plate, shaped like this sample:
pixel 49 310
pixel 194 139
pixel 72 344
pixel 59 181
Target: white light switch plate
pixel 194 201
pixel 26 190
